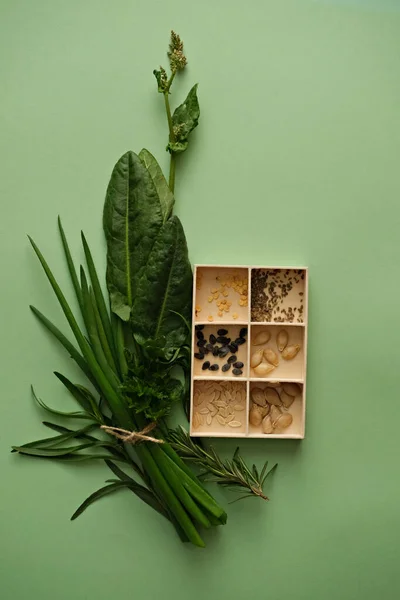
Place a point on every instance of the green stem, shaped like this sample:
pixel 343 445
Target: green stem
pixel 172 138
pixel 172 166
pixel 169 117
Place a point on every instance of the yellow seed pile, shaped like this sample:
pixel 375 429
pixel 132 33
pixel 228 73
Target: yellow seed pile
pixel 220 293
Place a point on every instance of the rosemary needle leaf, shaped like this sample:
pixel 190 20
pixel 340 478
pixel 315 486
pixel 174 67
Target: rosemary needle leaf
pixel 268 474
pixel 249 495
pixel 255 473
pixel 229 473
pixel 264 470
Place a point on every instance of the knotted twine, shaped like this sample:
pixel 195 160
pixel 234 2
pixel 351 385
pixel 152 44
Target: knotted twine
pixel 133 437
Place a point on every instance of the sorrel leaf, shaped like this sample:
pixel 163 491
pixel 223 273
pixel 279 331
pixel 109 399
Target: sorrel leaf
pixel 184 120
pixel 164 289
pixel 165 195
pixel 132 219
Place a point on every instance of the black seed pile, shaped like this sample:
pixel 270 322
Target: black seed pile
pixel 220 346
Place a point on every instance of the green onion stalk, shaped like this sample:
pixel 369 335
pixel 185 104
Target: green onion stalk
pixel 102 359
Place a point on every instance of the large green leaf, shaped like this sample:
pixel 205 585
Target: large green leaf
pixel 164 290
pixel 132 219
pixel 184 120
pixel 165 195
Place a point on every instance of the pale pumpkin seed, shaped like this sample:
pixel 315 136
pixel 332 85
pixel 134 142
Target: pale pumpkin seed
pixel 272 396
pixel 266 425
pixel 291 351
pixel 263 369
pixel 282 339
pixel 258 397
pixel 271 356
pixel 261 338
pixel 256 358
pixel 292 389
pixel 287 400
pixel 255 416
pixel 283 421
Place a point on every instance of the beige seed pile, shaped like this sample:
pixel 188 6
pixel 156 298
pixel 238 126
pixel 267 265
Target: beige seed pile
pixel 264 360
pixel 269 406
pixel 218 402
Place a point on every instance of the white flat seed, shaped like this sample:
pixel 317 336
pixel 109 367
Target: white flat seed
pixel 230 418
pixel 210 406
pixel 204 411
pixel 213 412
pixel 221 420
pixel 238 407
pixel 196 420
pixel 220 404
pixel 235 424
pixel 209 419
pixel 223 412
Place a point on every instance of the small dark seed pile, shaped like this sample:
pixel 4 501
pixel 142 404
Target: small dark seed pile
pixel 268 289
pixel 220 347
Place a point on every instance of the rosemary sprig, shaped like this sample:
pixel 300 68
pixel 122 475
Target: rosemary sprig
pixel 229 473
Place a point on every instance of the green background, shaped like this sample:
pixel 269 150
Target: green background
pixel 295 161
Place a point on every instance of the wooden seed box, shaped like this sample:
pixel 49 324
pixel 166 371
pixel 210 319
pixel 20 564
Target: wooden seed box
pixel 251 304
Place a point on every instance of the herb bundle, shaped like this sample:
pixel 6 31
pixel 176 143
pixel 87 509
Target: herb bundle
pixel 130 353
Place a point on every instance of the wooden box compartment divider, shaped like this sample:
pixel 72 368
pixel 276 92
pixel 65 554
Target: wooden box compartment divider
pixel 242 314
